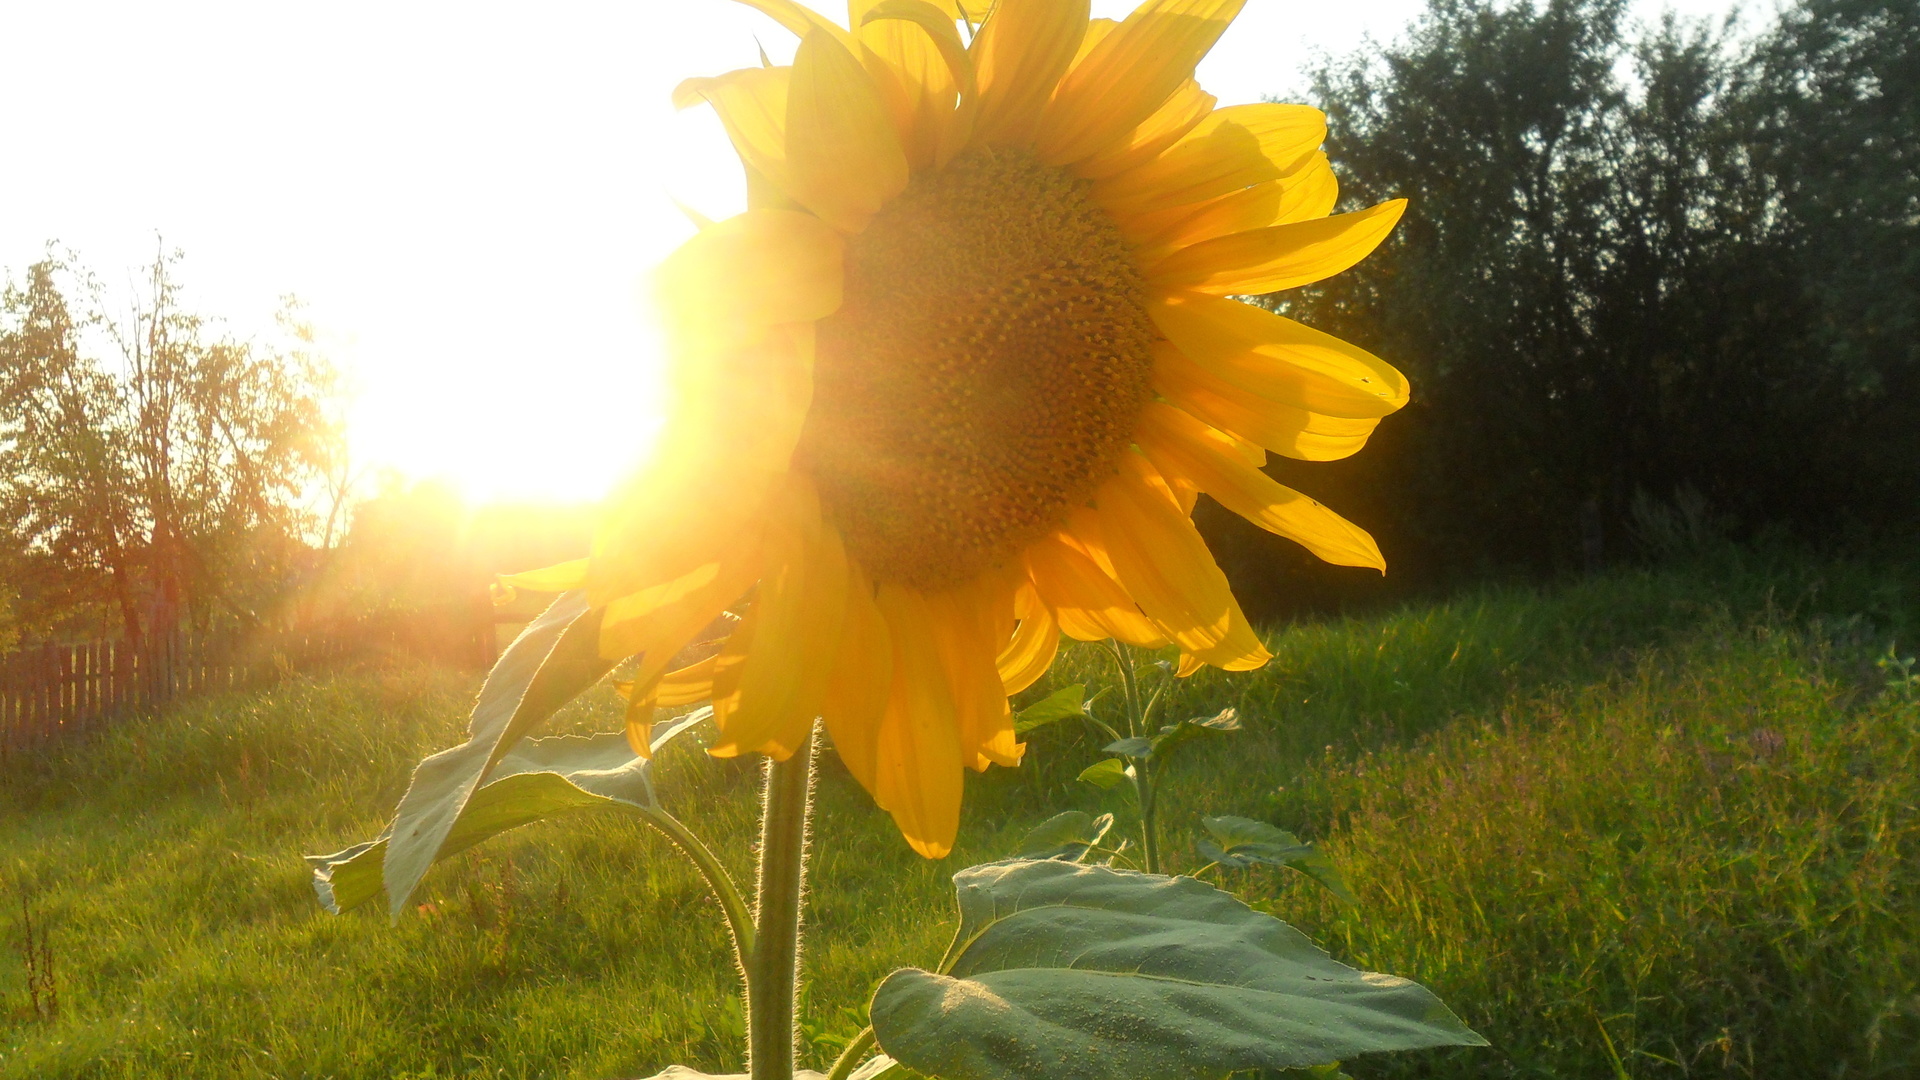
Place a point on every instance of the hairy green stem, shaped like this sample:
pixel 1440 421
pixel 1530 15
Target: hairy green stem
pixel 739 919
pixel 1143 777
pixel 773 966
pixel 849 1058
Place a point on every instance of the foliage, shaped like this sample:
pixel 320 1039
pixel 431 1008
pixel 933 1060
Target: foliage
pixel 163 856
pixel 1636 262
pixel 170 483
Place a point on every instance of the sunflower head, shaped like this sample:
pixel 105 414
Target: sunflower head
pixel 951 385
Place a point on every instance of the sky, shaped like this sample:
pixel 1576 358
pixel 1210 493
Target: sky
pixel 468 199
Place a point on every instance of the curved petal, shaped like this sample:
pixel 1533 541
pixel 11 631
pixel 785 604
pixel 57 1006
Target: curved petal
pixel 1168 125
pixel 1086 599
pixel 688 686
pixel 1306 193
pixel 771 676
pixel 1034 644
pixel 844 159
pixel 800 19
pixel 1179 444
pixel 1018 58
pixel 1129 75
pixel 1284 429
pixel 752 106
pixel 967 632
pixel 918 766
pixel 862 678
pixel 1278 257
pixel 735 279
pixel 559 577
pixel 1275 357
pixel 916 57
pixel 1233 148
pixel 657 623
pixel 1167 568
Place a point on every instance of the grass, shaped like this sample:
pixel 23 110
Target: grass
pixel 1652 824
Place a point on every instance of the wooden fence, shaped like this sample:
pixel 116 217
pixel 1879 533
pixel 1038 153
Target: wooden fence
pixel 55 691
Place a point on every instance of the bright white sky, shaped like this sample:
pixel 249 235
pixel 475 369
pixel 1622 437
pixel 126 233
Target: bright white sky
pixel 468 197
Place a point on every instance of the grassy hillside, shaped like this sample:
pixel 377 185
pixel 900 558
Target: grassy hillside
pixel 1650 825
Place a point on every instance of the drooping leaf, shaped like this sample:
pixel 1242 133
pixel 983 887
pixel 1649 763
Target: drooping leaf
pixel 1160 746
pixel 1066 703
pixel 553 661
pixel 1131 746
pixel 1242 842
pixel 1105 774
pixel 539 779
pixel 1066 836
pixel 1076 972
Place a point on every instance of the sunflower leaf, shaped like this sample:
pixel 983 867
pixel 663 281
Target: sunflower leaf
pixel 1105 774
pixel 552 661
pixel 1243 842
pixel 1077 972
pixel 1067 836
pixel 1066 703
pixel 539 779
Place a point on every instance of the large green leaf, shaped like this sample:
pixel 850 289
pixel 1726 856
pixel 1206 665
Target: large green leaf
pixel 1068 836
pixel 539 779
pixel 1075 972
pixel 553 661
pixel 1242 842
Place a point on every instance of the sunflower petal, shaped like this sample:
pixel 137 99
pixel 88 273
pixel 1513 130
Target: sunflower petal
pixel 1233 148
pixel 731 281
pixel 560 577
pixel 1166 567
pixel 1034 644
pixel 1129 75
pixel 771 676
pixel 1179 444
pixel 1278 358
pixel 752 106
pixel 800 19
pixel 862 677
pixel 1284 429
pixel 962 629
pixel 916 57
pixel 1168 125
pixel 1018 56
pixel 844 159
pixel 918 773
pixel 1088 602
pixel 688 686
pixel 1278 257
pixel 1306 193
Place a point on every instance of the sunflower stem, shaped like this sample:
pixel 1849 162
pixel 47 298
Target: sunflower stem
pixel 1143 773
pixel 849 1058
pixel 773 966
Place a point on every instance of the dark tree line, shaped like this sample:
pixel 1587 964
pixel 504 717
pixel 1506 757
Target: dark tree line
pixel 1649 275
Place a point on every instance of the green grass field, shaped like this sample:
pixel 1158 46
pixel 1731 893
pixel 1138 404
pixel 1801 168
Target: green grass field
pixel 1660 824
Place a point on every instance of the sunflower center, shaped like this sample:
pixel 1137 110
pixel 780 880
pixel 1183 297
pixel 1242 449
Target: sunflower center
pixel 984 372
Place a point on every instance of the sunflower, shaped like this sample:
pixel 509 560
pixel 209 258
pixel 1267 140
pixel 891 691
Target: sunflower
pixel 950 386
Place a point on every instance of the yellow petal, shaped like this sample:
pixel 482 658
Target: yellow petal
pixel 1168 125
pixel 1166 567
pixel 800 19
pixel 771 677
pixel 963 624
pixel 844 159
pixel 1189 665
pixel 731 282
pixel 752 106
pixel 557 578
pixel 1233 148
pixel 917 59
pixel 919 768
pixel 1086 599
pixel 1129 75
pixel 1278 358
pixel 862 678
pixel 1035 643
pixel 1278 257
pixel 657 623
pixel 1308 192
pixel 1179 444
pixel 1283 429
pixel 1018 58
pixel 688 686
